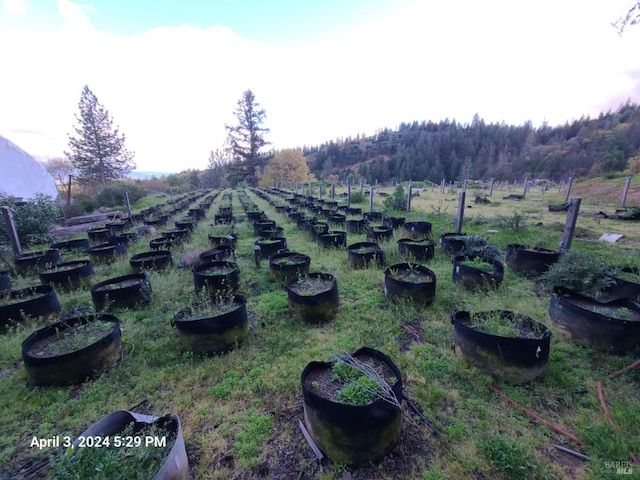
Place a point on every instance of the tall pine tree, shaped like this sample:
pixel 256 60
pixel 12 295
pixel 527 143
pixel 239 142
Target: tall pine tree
pixel 246 139
pixel 97 151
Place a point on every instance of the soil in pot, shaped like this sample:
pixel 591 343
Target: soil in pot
pixel 612 325
pixel 68 275
pixel 313 297
pixel 352 406
pixel 157 260
pixel 128 291
pixel 271 246
pixel 73 350
pixel 216 276
pixel 36 301
pixel 452 243
pixel 31 261
pixel 510 346
pixel 530 262
pixel 333 238
pixel 107 253
pixel 477 272
pixel 379 233
pixel 128 445
pixel 214 325
pixel 406 281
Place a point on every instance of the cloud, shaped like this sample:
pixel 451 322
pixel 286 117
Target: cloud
pixel 16 7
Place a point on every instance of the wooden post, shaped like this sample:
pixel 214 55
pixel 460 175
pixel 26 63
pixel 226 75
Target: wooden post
pixel 370 199
pixel 626 189
pixel 409 198
pixel 348 195
pixel 566 196
pixel 515 182
pixel 526 187
pixel 320 191
pixel 333 191
pixel 69 191
pixel 11 231
pixel 491 187
pixel 442 185
pixel 464 185
pixel 310 189
pixel 256 256
pixel 570 224
pixel 127 204
pixel 460 217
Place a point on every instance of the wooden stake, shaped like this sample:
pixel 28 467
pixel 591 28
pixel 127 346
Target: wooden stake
pixel 11 231
pixel 460 217
pixel 570 224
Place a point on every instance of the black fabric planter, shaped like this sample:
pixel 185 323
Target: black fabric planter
pixel 404 281
pixel 67 275
pixel 379 233
pixel 512 359
pixel 76 366
pixel 287 265
pixel 185 225
pixel 224 240
pixel 179 234
pixel 164 243
pixel 452 243
pixel 154 260
pixel 353 211
pixel 271 232
pixel 5 282
pixel 99 235
pixel 363 254
pixel 347 434
pixel 216 276
pixel 77 243
pixel 589 320
pixel 333 238
pixel 32 261
pixel 622 288
pixel 212 334
pixel 355 226
pixel 318 304
pixel 337 220
pixel 39 300
pixel 223 219
pixel 157 222
pixel 417 249
pixel 263 225
pixel 128 238
pixel 176 464
pixel 107 253
pixel 269 247
pixel 529 262
pixel 371 217
pixel 417 230
pixel 128 291
pixel 394 222
pixel 212 255
pixel 473 278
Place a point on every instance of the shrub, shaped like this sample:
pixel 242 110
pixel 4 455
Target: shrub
pixel 357 197
pixel 585 272
pixel 397 201
pixel 33 218
pixel 112 195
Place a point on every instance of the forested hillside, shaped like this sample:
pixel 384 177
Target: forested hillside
pixel 433 151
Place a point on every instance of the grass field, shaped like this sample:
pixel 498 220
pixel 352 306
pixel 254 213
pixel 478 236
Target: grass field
pixel 240 411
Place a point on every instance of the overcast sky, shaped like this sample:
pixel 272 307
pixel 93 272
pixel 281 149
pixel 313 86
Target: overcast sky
pixel 170 72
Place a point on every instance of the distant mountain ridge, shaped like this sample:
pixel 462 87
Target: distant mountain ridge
pixel 143 175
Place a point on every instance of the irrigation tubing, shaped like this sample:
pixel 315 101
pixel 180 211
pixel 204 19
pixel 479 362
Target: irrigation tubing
pixel 422 417
pixel 620 372
pixel 537 417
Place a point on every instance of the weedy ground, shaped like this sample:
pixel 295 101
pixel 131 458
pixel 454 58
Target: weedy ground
pixel 240 411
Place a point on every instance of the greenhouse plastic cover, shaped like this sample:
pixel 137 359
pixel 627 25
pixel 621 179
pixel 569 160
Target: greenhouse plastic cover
pixel 21 175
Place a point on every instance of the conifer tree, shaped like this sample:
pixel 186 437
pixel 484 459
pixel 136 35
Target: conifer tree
pixel 98 150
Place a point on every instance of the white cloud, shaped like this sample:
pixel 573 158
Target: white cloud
pixel 16 7
pixel 172 89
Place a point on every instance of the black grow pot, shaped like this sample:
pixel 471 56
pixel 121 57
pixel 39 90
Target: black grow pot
pixel 418 249
pixel 451 243
pixel 263 225
pixel 313 297
pixel 354 435
pixel 5 282
pixel 74 244
pixel 271 246
pixel 73 350
pixel 36 301
pixel 154 260
pixel 67 275
pixel 106 252
pixel 333 238
pixel 355 226
pixel 363 254
pixel 167 435
pixel 612 325
pixel 623 288
pixel 181 234
pixel 371 217
pixel 394 222
pixel 128 291
pixel 417 230
pixel 185 225
pixel 215 240
pixel 99 235
pixel 32 261
pixel 287 265
pixel 216 276
pixel 409 281
pixel 164 243
pixel 271 232
pixel 468 272
pixel 213 331
pixel 511 347
pixel 212 254
pixel 337 220
pixel 379 233
pixel 530 262
pixel 128 238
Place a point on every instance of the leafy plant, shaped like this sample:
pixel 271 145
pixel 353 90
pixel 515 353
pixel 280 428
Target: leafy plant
pixel 362 382
pixel 397 201
pixel 33 218
pixel 584 272
pixel 516 222
pixel 357 197
pixel 478 246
